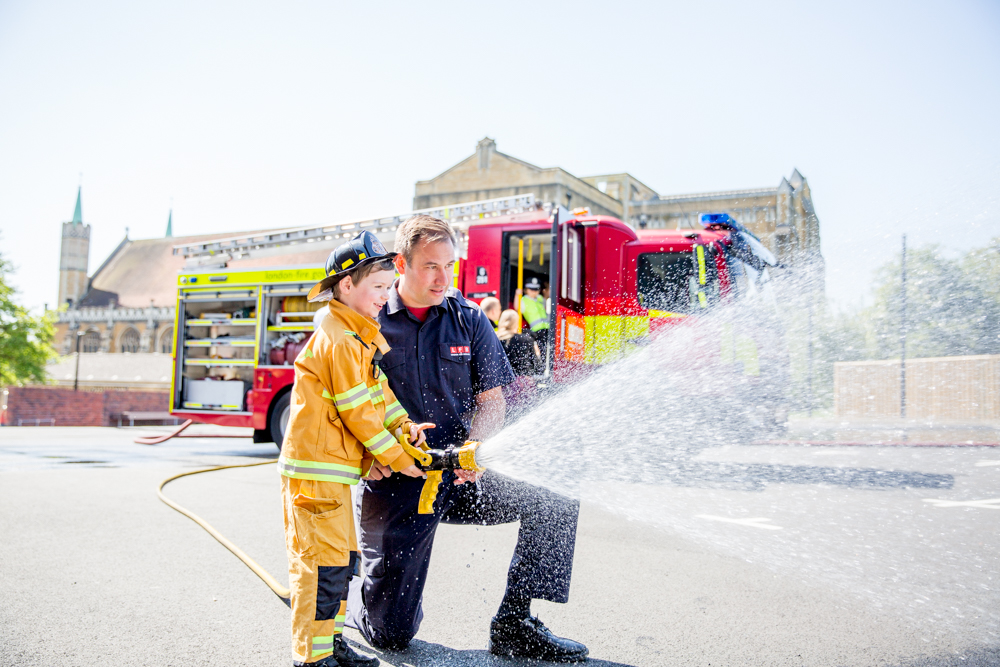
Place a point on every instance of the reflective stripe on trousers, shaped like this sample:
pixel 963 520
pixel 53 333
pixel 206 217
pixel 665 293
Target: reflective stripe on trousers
pixel 322 555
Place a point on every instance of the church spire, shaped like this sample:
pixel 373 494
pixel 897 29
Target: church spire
pixel 170 224
pixel 78 213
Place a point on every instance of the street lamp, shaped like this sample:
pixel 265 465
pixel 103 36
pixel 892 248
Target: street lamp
pixel 76 375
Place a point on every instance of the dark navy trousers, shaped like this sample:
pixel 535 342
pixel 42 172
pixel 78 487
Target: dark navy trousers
pixel 395 544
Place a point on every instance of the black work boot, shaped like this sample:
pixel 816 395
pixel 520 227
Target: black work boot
pixel 328 661
pixel 348 657
pixel 529 638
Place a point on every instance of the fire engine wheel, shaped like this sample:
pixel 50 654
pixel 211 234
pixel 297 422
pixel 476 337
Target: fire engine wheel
pixel 279 419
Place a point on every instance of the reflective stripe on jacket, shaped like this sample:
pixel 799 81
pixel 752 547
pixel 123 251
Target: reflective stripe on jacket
pixel 343 413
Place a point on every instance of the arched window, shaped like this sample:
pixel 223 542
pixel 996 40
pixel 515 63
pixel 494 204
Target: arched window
pixel 91 342
pixel 167 341
pixel 129 341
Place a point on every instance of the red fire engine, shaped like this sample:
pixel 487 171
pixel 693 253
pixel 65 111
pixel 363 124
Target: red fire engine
pixel 238 329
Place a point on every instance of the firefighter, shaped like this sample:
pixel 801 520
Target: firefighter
pixel 447 366
pixel 343 417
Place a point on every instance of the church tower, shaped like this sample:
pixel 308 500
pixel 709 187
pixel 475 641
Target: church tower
pixel 74 254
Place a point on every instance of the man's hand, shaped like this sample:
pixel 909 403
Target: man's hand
pixel 463 476
pixel 417 435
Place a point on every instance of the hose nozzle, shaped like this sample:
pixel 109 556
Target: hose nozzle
pixel 435 461
pixel 455 458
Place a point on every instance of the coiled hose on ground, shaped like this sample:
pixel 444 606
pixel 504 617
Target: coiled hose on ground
pixel 271 582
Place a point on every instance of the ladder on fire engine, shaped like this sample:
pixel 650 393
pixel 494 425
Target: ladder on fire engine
pixel 459 216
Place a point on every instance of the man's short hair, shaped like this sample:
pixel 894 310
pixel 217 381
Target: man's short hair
pixel 362 272
pixel 421 228
pixel 490 303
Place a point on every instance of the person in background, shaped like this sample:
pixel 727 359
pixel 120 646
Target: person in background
pixel 532 307
pixel 525 359
pixel 491 306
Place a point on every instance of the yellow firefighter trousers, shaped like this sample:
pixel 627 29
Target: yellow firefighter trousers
pixel 322 552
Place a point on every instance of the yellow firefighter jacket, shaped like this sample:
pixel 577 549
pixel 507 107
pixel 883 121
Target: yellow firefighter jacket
pixel 343 413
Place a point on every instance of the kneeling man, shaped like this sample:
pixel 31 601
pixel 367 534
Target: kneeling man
pixel 447 366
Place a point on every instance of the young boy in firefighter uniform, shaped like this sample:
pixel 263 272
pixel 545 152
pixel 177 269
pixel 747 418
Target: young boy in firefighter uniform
pixel 343 417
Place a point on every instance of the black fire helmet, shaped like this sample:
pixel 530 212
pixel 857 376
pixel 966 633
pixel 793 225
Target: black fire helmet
pixel 364 248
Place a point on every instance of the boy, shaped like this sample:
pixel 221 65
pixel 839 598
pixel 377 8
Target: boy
pixel 343 417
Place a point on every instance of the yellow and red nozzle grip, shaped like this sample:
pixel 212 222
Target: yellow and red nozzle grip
pixel 435 462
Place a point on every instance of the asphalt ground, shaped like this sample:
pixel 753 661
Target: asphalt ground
pixel 807 556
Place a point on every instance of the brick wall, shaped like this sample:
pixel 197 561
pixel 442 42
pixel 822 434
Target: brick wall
pixel 79 408
pixel 966 388
pixel 116 402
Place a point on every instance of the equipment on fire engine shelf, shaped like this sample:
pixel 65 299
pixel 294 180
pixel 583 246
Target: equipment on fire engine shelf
pixel 286 347
pixel 297 309
pixel 435 462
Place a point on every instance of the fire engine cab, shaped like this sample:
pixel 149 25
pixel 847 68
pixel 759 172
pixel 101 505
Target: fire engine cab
pixel 238 331
pixel 615 285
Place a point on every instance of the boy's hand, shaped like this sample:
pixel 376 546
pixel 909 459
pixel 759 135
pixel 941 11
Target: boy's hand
pixel 417 436
pixel 413 471
pixel 378 471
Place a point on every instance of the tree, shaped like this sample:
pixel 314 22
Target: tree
pixel 952 308
pixel 25 341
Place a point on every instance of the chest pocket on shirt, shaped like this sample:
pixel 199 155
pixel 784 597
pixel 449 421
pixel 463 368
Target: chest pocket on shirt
pixel 456 370
pixel 394 359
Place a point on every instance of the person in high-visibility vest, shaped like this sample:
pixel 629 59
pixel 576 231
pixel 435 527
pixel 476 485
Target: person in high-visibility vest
pixel 532 308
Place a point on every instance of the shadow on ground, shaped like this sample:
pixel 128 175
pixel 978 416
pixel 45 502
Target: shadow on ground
pixel 756 476
pixel 427 654
pixel 984 656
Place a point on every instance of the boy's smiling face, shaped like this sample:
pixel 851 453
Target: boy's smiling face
pixel 369 295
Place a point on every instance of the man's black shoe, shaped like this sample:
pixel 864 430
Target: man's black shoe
pixel 529 638
pixel 348 657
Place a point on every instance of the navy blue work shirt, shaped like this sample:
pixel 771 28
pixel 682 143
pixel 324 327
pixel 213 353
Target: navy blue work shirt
pixel 436 367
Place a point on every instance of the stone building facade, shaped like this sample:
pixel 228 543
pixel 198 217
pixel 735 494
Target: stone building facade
pixel 116 329
pixel 489 174
pixel 783 217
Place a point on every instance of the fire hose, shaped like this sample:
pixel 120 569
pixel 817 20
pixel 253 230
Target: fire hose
pixel 434 461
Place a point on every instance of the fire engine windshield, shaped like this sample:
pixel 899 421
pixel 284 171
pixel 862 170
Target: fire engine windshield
pixel 677 282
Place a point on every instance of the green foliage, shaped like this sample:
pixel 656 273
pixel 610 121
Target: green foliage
pixel 25 341
pixel 952 308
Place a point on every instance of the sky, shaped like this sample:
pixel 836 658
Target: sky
pixel 250 115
